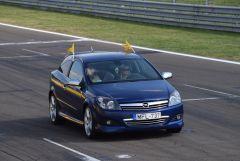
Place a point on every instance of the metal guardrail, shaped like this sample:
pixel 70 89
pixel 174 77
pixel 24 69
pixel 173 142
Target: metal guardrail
pixel 184 15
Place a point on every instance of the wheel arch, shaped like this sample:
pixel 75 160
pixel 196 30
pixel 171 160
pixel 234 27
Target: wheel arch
pixel 87 103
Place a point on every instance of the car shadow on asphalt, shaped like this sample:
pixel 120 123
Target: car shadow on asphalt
pixel 128 136
pixel 38 128
pixel 78 132
pixel 111 137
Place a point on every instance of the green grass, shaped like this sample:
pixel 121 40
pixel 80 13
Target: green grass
pixel 211 2
pixel 216 44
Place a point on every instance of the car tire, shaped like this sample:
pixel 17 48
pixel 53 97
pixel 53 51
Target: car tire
pixel 55 118
pixel 89 123
pixel 175 130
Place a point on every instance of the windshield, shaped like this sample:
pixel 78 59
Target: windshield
pixel 120 71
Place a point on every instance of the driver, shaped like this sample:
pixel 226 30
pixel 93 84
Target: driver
pixel 93 76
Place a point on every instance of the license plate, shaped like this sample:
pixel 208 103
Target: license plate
pixel 148 116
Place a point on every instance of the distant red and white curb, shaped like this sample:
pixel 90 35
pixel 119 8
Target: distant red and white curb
pixel 114 43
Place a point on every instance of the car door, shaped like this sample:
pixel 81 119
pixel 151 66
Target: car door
pixel 75 95
pixel 60 78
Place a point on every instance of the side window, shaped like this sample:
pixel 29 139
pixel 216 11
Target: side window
pixel 76 72
pixel 65 67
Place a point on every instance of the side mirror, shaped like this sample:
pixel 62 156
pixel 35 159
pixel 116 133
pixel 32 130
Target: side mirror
pixel 167 75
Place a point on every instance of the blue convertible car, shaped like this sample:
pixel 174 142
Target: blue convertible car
pixel 114 92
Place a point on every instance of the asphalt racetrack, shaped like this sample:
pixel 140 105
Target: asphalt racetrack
pixel 210 92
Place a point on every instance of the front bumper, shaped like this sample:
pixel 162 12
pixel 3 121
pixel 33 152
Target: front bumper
pixel 121 121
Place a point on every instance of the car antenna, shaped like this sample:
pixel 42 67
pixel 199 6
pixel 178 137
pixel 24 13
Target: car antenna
pixel 92 49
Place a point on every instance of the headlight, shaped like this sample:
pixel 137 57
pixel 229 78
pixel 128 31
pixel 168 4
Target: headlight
pixel 175 98
pixel 107 103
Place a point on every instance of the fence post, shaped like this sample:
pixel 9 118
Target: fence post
pixel 207 2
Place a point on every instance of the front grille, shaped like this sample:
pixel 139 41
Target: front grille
pixel 145 122
pixel 145 105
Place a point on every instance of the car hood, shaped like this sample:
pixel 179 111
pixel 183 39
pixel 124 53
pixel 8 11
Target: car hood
pixel 126 92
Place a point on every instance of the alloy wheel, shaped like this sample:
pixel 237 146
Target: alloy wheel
pixel 88 122
pixel 52 109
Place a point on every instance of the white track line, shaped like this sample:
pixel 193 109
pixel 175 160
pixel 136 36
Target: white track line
pixel 114 43
pixel 43 31
pixel 21 56
pixel 210 90
pixel 40 42
pixel 25 56
pixel 36 52
pixel 200 99
pixel 86 157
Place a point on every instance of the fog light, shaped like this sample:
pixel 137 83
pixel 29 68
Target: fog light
pixel 108 122
pixel 179 116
